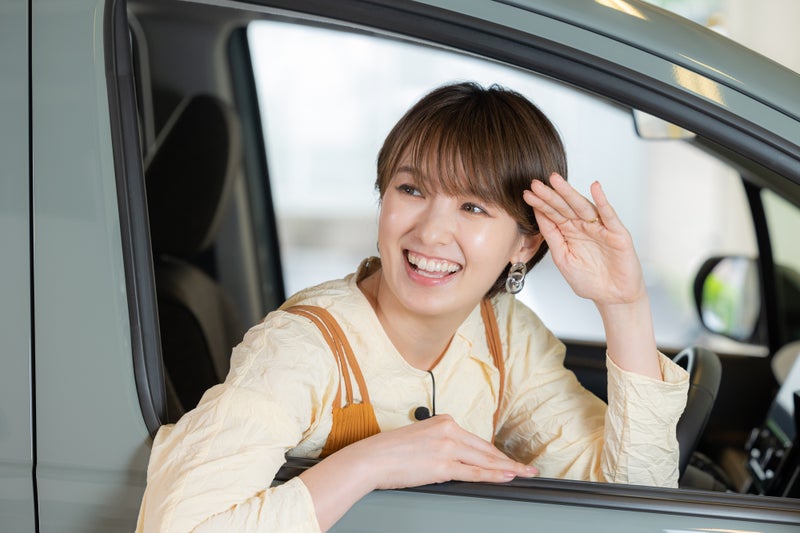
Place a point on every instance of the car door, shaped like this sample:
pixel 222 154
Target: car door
pixel 17 486
pixel 91 439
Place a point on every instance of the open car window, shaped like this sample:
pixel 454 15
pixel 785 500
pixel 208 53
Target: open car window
pixel 323 131
pixel 783 220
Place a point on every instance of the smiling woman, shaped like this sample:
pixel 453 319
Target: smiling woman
pixel 470 190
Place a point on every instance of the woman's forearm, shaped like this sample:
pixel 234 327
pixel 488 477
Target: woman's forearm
pixel 336 484
pixel 630 337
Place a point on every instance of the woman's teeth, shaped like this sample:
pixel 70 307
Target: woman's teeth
pixel 432 265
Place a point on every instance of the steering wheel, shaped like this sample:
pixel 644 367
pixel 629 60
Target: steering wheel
pixel 705 371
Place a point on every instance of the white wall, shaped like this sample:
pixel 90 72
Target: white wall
pixel 767 26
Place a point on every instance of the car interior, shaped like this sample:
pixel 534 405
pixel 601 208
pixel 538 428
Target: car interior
pixel 194 162
pixel 219 260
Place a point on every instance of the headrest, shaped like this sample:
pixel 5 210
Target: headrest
pixel 189 174
pixel 784 359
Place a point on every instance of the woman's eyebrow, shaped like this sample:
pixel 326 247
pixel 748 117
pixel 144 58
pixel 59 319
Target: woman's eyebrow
pixel 408 169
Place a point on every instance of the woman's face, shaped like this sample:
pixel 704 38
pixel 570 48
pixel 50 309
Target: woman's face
pixel 440 253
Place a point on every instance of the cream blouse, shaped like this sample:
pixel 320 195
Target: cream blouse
pixel 213 469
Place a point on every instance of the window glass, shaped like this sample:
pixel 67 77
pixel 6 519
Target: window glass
pixel 328 98
pixel 783 221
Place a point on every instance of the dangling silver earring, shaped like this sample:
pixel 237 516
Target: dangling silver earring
pixel 516 278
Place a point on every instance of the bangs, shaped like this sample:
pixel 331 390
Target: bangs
pixel 447 163
pixel 462 140
pixel 467 153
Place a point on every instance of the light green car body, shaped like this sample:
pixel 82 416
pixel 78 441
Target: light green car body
pixel 74 443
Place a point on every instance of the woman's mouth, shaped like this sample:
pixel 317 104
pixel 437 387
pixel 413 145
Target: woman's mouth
pixel 431 268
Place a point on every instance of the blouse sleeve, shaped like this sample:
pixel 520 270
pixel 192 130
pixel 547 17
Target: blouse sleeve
pixel 213 470
pixel 549 420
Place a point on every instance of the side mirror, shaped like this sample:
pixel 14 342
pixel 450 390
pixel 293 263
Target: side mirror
pixel 727 295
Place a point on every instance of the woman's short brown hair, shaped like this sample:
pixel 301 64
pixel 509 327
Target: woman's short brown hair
pixel 484 142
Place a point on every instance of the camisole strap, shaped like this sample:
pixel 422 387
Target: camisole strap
pixel 496 349
pixel 351 421
pixel 338 343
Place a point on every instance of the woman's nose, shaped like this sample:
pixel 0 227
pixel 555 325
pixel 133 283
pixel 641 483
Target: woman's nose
pixel 437 221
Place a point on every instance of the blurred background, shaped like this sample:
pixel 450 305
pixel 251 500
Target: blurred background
pixel 767 26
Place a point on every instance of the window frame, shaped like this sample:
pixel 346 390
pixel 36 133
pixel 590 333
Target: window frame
pixel 430 24
pixel 707 504
pixel 624 86
pixel 133 218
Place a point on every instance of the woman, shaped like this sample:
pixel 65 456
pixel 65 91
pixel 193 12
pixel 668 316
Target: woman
pixel 472 196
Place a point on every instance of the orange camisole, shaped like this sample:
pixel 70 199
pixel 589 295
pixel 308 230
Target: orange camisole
pixel 355 421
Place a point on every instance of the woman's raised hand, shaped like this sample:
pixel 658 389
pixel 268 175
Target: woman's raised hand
pixel 590 246
pixel 594 252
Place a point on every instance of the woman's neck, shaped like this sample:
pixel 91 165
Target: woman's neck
pixel 420 339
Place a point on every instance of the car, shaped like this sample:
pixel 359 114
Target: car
pixel 173 169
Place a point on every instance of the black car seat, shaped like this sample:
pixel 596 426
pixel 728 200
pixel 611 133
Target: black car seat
pixel 189 174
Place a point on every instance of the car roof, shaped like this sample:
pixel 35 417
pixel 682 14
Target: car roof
pixel 665 35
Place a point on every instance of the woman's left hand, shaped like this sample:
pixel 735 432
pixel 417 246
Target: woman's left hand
pixel 595 254
pixel 589 244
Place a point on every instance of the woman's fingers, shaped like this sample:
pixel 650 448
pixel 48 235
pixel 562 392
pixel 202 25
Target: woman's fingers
pixel 549 229
pixel 485 465
pixel 465 472
pixel 561 202
pixel 607 213
pixel 471 450
pixel 438 450
pixel 579 204
pixel 468 448
pixel 548 201
pixel 544 199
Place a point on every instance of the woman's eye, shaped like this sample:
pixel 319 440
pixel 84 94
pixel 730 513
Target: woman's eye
pixel 409 189
pixel 474 209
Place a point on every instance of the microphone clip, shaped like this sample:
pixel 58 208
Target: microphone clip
pixel 422 412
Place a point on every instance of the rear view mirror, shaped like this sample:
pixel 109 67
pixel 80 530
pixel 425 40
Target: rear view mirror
pixel 654 128
pixel 727 296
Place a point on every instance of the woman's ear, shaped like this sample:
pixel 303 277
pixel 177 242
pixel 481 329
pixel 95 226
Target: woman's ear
pixel 529 245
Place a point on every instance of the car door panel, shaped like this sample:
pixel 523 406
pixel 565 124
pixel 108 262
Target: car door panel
pixel 436 512
pixel 16 457
pixel 91 440
pixel 551 505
